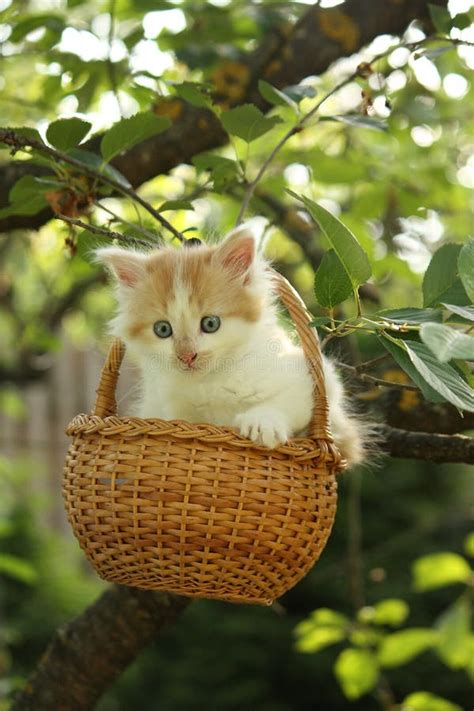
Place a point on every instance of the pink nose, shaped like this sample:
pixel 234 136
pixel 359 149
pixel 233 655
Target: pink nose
pixel 187 358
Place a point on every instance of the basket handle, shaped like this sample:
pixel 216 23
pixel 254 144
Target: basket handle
pixel 319 426
pixel 106 404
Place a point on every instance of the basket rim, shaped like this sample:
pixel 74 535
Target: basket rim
pixel 301 448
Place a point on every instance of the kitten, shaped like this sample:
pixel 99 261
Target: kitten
pixel 202 324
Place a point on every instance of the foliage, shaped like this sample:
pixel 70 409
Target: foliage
pixel 364 666
pixel 369 183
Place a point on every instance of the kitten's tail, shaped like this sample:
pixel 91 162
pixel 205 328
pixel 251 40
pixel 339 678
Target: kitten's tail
pixel 355 438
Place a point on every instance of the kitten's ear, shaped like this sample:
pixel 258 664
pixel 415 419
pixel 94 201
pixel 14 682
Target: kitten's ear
pixel 127 266
pixel 237 252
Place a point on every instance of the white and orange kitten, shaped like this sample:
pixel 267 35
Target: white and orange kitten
pixel 202 324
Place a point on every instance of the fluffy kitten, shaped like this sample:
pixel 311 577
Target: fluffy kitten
pixel 202 324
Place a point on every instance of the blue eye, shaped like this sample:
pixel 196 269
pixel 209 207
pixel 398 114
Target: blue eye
pixel 210 324
pixel 162 329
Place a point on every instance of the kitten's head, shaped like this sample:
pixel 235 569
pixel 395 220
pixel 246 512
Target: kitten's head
pixel 191 308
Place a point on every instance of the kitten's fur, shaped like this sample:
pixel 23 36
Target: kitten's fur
pixel 248 374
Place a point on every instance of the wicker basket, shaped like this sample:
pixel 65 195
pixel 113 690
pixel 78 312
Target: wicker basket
pixel 197 509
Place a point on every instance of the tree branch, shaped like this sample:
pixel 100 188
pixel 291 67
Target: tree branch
pixel 428 447
pixel 364 377
pixel 284 58
pixel 89 652
pixel 424 416
pixel 110 234
pixel 16 141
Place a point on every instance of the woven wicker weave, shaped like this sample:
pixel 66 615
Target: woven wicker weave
pixel 197 509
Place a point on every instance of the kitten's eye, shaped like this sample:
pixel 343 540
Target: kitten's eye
pixel 210 324
pixel 162 329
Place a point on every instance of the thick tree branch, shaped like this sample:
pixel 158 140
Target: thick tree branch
pixel 16 141
pixel 318 39
pixel 87 654
pixel 428 447
pixel 423 416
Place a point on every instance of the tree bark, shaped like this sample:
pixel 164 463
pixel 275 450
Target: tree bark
pixel 427 446
pixel 87 654
pixel 319 38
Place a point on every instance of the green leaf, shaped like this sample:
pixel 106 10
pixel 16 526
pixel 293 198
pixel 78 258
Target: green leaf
pixel 29 187
pixel 396 348
pixel 17 568
pixel 426 701
pixel 466 312
pixel 434 52
pixel 439 569
pixel 331 282
pixel 365 637
pixel 223 170
pixel 358 120
pixel 462 21
pixel 454 630
pixel 357 671
pixel 274 96
pixel 298 92
pixel 447 343
pixel 391 612
pixel 194 94
pixel 64 134
pixel 318 638
pixel 33 22
pixel 441 281
pixel 469 544
pixel 326 616
pixel 441 18
pixel 352 256
pixel 130 131
pixel 210 161
pixel 176 205
pixel 411 316
pixel 319 321
pixel 440 376
pixel 466 268
pixel 92 160
pixel 321 629
pixel 401 647
pixel 247 122
pixel 27 196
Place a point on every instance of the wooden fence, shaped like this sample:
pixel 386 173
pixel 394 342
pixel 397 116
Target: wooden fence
pixel 38 438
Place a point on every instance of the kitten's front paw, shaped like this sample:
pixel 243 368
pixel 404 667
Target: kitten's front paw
pixel 263 425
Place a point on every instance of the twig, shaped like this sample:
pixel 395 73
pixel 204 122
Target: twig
pixel 291 132
pixel 110 234
pixel 366 378
pixel 304 119
pixel 10 138
pixel 373 361
pixel 153 237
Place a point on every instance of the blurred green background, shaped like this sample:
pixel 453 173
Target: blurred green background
pixel 404 192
